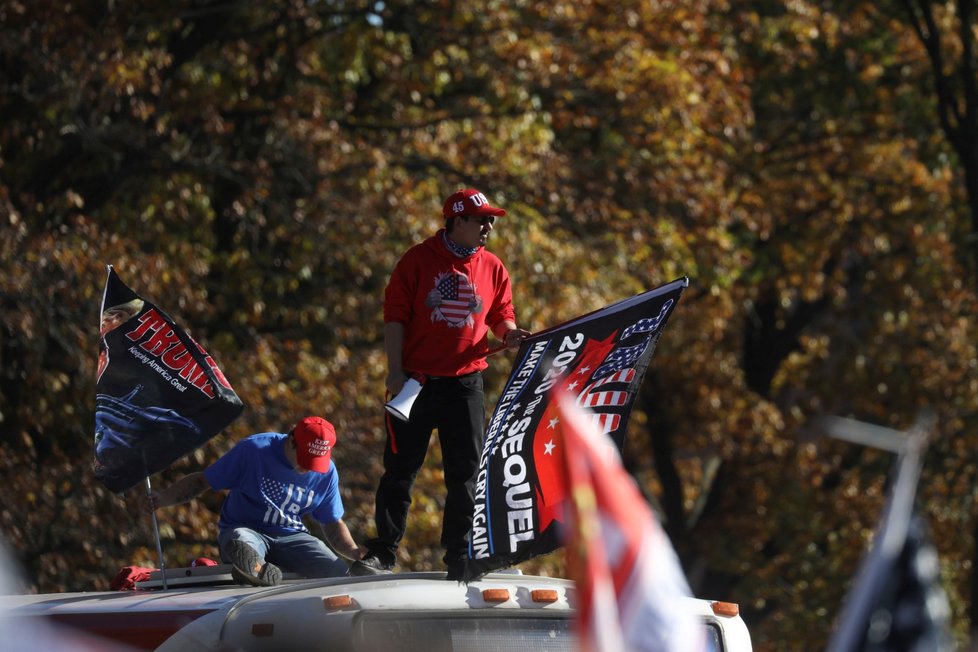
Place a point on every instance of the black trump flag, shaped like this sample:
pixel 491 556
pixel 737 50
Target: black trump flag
pixel 159 395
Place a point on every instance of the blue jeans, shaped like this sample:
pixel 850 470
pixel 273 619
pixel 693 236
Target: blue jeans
pixel 300 553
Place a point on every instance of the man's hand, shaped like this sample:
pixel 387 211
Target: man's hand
pixel 340 539
pixel 514 337
pixel 395 382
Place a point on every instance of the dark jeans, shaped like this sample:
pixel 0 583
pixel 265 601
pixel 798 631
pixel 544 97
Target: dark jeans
pixel 455 407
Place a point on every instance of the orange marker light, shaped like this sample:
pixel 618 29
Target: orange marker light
pixel 543 595
pixel 495 595
pixel 338 602
pixel 725 608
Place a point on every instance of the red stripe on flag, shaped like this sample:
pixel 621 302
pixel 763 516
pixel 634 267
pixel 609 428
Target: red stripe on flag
pixel 630 584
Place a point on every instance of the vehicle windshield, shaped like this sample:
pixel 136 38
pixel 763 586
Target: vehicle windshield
pixel 714 642
pixel 447 632
pixel 388 632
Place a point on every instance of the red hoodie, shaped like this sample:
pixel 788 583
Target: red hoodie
pixel 447 305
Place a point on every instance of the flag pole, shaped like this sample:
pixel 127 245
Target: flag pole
pixel 502 347
pixel 156 532
pixel 880 562
pixel 682 281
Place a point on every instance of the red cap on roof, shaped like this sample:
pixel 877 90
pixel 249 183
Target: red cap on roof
pixel 469 201
pixel 314 441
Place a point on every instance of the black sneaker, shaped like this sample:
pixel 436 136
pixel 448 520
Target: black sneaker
pixel 371 565
pixel 456 571
pixel 248 568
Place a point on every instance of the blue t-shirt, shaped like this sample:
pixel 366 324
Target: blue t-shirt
pixel 266 493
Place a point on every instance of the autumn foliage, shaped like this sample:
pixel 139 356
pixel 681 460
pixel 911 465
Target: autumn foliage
pixel 257 168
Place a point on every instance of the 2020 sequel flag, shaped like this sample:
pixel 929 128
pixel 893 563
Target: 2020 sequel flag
pixel 601 359
pixel 159 395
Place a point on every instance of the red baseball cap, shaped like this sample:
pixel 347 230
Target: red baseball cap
pixel 469 201
pixel 314 441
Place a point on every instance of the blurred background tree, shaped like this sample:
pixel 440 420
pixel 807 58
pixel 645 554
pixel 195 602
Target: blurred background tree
pixel 257 169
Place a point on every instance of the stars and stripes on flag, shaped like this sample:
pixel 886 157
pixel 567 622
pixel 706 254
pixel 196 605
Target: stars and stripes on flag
pixel 621 359
pixel 631 587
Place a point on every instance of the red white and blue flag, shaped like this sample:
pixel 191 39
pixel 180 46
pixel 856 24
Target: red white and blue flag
pixel 631 588
pixel 600 359
pixel 159 394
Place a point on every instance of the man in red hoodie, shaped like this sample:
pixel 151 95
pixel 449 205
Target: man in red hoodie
pixel 443 298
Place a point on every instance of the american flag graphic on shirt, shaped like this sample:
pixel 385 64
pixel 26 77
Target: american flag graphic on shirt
pixel 285 503
pixel 458 300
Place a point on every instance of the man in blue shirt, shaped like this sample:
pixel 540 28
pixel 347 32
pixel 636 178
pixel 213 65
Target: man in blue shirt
pixel 273 480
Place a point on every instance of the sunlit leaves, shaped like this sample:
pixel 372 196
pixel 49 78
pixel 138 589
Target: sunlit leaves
pixel 257 169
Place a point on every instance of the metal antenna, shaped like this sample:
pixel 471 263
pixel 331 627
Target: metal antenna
pixel 156 532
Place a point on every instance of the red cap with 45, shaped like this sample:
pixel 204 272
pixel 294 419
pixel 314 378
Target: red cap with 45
pixel 469 202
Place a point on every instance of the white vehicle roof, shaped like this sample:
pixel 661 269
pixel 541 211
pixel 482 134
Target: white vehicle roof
pixel 403 611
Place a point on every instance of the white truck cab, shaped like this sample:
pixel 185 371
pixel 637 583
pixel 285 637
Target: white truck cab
pixel 201 610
